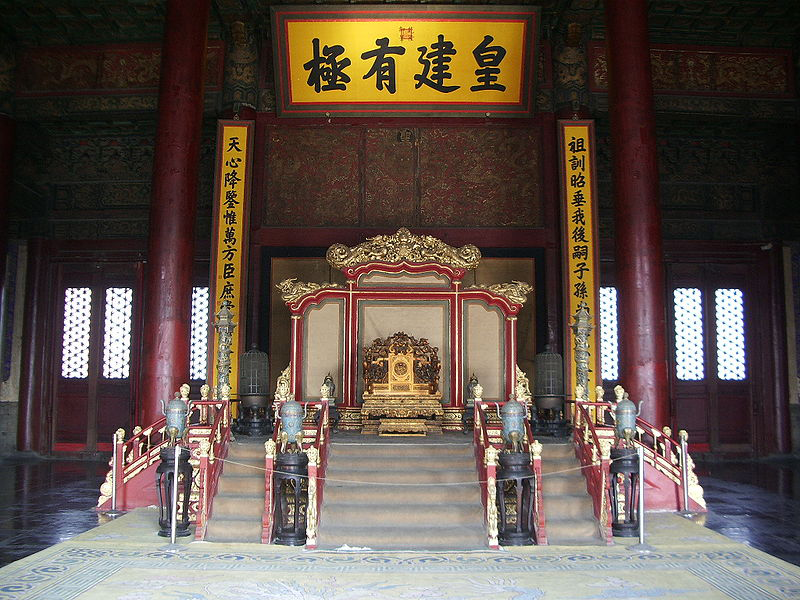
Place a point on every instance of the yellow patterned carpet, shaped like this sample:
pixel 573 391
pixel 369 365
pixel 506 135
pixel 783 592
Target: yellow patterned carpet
pixel 126 560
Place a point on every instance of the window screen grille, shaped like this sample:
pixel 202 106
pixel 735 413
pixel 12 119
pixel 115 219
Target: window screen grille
pixel 689 352
pixel 609 334
pixel 729 311
pixel 75 341
pixel 117 333
pixel 198 358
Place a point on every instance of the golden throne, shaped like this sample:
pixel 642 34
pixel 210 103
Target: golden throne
pixel 401 387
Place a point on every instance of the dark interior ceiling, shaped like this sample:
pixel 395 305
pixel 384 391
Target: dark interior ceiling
pixel 766 23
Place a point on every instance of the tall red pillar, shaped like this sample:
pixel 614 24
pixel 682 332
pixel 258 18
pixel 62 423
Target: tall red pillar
pixel 168 282
pixel 638 251
pixel 6 152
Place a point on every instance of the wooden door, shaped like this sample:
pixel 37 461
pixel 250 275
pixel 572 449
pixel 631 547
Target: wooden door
pixel 715 354
pixel 96 344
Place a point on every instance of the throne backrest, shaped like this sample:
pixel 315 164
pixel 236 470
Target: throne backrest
pixel 401 365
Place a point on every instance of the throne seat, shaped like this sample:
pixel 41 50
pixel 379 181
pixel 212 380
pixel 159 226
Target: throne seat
pixel 401 387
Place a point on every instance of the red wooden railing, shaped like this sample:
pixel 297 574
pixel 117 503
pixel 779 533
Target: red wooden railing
pixel 663 468
pixel 488 443
pixel 663 458
pixel 593 448
pixel 316 439
pixel 540 522
pixel 211 451
pixel 137 458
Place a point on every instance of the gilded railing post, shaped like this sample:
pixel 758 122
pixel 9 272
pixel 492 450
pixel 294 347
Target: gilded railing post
pixel 117 468
pixel 204 448
pixel 270 449
pixel 312 515
pixel 605 482
pixel 538 507
pixel 490 460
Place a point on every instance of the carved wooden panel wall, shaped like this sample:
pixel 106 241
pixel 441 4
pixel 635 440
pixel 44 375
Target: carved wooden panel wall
pixel 719 180
pixel 392 176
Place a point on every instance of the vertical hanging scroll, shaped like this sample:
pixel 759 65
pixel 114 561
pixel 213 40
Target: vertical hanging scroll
pixel 229 235
pixel 579 230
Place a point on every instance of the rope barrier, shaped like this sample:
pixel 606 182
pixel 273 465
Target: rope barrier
pixel 411 484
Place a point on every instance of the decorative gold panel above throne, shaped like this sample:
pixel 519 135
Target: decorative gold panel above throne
pixel 401 387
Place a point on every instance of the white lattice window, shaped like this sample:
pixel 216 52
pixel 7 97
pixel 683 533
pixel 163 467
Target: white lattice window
pixel 729 311
pixel 609 334
pixel 117 333
pixel 689 352
pixel 198 357
pixel 77 325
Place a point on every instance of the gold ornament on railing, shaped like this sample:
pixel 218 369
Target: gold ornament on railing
pixel 311 507
pixel 270 449
pixel 490 457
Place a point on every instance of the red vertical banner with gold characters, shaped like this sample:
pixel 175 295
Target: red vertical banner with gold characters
pixel 229 234
pixel 579 243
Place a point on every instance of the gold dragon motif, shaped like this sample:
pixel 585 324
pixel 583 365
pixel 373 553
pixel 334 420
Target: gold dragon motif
pixel 403 246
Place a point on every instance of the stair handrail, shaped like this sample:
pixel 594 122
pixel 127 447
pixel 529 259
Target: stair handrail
pixel 539 518
pixel 594 454
pixel 317 462
pixel 209 447
pixel 664 454
pixel 316 440
pixel 143 449
pixel 488 435
pixel 486 452
pixel 132 456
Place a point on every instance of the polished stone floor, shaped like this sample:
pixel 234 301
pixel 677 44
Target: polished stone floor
pixel 43 502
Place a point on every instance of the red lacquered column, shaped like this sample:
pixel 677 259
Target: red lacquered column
pixel 638 252
pixel 168 283
pixel 6 150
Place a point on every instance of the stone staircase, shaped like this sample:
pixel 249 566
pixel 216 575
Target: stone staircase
pixel 567 505
pixel 360 512
pixel 239 504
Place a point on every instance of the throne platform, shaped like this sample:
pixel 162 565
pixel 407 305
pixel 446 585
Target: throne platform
pixel 403 335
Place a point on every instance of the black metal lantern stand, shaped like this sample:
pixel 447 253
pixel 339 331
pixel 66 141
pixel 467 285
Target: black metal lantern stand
pixel 291 488
pixel 254 394
pixel 515 499
pixel 165 482
pixel 548 396
pixel 625 480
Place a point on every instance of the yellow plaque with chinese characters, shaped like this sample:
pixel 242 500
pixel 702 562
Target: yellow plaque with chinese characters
pixel 405 60
pixel 228 258
pixel 579 219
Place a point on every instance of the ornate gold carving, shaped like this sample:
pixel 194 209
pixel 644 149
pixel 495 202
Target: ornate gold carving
pixel 523 388
pixel 292 290
pixel 402 426
pixel 311 507
pixel 403 246
pixel 270 447
pixel 536 450
pixel 282 390
pixel 516 291
pixel 205 448
pixel 490 459
pixel 119 435
pixel 401 365
pixel 605 448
